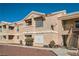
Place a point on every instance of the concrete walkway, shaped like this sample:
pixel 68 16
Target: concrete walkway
pixel 61 51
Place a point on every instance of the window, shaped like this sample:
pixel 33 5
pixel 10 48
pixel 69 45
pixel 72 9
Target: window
pixel 17 28
pixel 4 26
pixel 11 27
pixel 10 37
pixel 0 28
pixel 39 38
pixel 39 23
pixel 4 36
pixel 28 22
pixel 65 24
pixel 28 35
pixel 77 24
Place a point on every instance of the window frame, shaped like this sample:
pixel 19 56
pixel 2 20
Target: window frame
pixel 0 28
pixel 39 23
pixel 77 24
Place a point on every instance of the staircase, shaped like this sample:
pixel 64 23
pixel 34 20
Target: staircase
pixel 72 40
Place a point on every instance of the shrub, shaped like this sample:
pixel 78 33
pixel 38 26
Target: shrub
pixel 51 44
pixel 57 46
pixel 46 46
pixel 29 41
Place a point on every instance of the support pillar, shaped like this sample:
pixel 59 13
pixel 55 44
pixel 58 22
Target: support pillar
pixel 78 42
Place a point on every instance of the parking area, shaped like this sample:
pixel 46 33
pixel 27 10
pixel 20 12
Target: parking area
pixel 6 50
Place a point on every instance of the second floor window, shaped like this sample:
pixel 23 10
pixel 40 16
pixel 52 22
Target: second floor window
pixel 65 25
pixel 11 27
pixel 4 26
pixel 39 23
pixel 17 28
pixel 0 28
pixel 28 22
pixel 77 24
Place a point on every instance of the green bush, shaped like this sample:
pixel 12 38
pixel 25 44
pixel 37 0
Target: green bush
pixel 29 41
pixel 51 44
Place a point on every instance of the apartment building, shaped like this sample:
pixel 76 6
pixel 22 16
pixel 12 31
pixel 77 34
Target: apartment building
pixel 70 33
pixel 43 28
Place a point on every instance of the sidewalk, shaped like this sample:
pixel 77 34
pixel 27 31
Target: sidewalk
pixel 61 51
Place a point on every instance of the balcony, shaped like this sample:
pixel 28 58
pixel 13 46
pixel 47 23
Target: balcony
pixel 66 27
pixel 76 29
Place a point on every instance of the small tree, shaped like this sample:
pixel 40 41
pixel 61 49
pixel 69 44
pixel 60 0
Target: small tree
pixel 51 44
pixel 29 41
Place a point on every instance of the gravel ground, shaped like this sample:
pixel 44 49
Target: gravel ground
pixel 6 50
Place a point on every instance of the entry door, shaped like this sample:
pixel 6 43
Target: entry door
pixel 39 38
pixel 64 40
pixel 74 41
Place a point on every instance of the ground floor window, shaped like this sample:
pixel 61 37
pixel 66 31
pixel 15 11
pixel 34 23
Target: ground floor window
pixel 28 35
pixel 4 36
pixel 39 38
pixel 10 37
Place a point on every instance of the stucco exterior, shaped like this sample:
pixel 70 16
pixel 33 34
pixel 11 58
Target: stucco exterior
pixel 47 33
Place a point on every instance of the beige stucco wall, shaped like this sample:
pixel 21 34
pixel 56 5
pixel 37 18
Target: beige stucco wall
pixel 54 20
pixel 49 20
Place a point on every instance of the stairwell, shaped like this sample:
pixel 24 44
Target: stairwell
pixel 72 40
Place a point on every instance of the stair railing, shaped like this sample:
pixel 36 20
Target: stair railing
pixel 69 37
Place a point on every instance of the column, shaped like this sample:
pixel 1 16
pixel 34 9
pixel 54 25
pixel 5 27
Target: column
pixel 33 24
pixel 7 31
pixel 78 42
pixel 2 32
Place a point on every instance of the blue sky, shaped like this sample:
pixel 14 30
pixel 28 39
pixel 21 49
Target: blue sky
pixel 14 12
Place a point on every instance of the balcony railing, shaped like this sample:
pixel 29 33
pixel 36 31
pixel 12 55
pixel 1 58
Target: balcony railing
pixel 66 27
pixel 75 29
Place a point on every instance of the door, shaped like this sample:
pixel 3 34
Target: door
pixel 64 40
